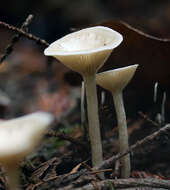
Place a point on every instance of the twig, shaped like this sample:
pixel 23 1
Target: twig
pixel 16 38
pixel 108 163
pixel 67 138
pixel 39 172
pixel 100 171
pixel 26 34
pixel 90 169
pixel 128 183
pixel 144 116
pixel 27 22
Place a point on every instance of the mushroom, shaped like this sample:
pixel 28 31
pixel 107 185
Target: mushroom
pixel 85 51
pixel 115 81
pixel 19 137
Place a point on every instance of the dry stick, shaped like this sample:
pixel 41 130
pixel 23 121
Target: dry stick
pixel 68 138
pixel 144 116
pixel 90 169
pixel 108 163
pixel 16 38
pixel 128 183
pixel 26 34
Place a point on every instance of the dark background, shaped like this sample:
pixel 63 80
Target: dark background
pixel 54 18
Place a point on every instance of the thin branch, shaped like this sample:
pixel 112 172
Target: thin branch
pixel 22 32
pixel 16 38
pixel 67 138
pixel 144 116
pixel 128 183
pixel 27 22
pixel 108 163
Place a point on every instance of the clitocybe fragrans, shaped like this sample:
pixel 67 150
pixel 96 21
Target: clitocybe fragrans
pixel 19 137
pixel 85 52
pixel 115 81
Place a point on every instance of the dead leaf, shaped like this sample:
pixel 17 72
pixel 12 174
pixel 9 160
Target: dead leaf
pixel 75 169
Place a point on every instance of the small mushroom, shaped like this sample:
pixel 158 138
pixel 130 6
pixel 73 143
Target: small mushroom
pixel 115 81
pixel 19 137
pixel 85 52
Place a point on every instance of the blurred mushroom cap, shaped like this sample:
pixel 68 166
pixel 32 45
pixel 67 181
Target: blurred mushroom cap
pixel 117 79
pixel 20 136
pixel 85 51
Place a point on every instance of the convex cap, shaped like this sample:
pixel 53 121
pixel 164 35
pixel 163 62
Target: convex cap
pixel 117 79
pixel 85 51
pixel 20 136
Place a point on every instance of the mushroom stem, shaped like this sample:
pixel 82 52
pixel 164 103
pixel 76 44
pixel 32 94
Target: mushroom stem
pixel 123 133
pixel 13 176
pixel 93 119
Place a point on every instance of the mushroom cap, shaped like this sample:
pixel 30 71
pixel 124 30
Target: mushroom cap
pixel 117 79
pixel 85 51
pixel 20 136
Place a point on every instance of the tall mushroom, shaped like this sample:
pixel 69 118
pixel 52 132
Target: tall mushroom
pixel 18 137
pixel 85 52
pixel 115 81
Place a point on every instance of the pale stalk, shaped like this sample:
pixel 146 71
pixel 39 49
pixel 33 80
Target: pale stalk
pixel 93 120
pixel 12 172
pixel 123 133
pixel 82 105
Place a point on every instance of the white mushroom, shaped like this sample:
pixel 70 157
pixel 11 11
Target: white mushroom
pixel 115 81
pixel 85 52
pixel 19 137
